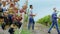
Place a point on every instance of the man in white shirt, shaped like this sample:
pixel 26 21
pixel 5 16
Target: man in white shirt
pixel 4 6
pixel 31 19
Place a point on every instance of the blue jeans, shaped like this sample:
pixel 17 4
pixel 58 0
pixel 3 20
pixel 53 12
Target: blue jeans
pixel 56 24
pixel 31 22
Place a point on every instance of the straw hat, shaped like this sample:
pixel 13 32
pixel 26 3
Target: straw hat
pixel 24 6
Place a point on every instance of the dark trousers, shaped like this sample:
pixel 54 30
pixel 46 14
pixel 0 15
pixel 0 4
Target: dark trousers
pixel 56 24
pixel 18 24
pixel 31 22
pixel 11 31
pixel 3 26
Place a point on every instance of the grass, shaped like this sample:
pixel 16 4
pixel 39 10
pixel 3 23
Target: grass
pixel 59 25
pixel 25 32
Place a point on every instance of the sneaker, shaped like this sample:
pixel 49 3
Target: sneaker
pixel 49 32
pixel 59 33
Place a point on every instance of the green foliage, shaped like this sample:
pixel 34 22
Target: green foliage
pixel 25 32
pixel 44 20
pixel 47 19
pixel 59 21
pixel 25 18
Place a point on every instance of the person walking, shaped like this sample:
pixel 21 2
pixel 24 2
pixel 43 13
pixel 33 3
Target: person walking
pixel 54 21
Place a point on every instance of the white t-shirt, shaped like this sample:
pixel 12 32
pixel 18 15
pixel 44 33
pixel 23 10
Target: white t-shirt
pixel 4 8
pixel 30 12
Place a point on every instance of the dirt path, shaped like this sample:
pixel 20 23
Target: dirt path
pixel 41 29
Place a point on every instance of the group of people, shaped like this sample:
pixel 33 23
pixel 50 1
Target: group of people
pixel 13 16
pixel 9 12
pixel 53 20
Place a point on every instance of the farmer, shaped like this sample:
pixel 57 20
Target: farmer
pixel 54 21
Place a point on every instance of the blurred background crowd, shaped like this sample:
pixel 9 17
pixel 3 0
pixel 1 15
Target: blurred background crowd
pixel 9 16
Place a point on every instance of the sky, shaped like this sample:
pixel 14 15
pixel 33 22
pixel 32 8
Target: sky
pixel 42 7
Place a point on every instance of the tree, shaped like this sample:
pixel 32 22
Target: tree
pixel 45 20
